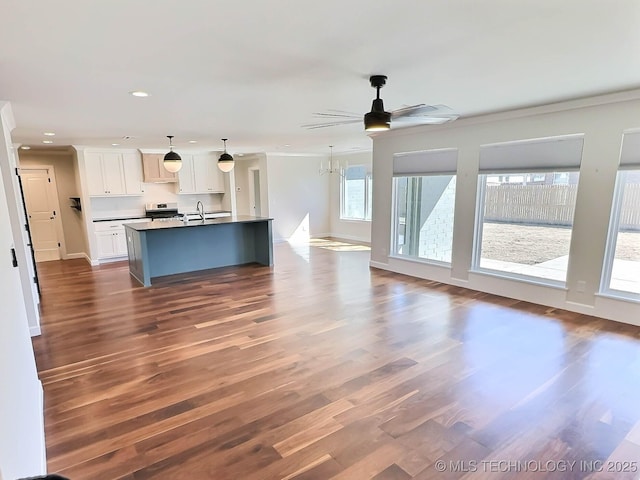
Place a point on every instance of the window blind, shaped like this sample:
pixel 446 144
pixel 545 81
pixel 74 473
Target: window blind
pixel 427 162
pixel 630 154
pixel 540 154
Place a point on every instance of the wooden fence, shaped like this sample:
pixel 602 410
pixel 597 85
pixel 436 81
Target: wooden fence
pixel 550 205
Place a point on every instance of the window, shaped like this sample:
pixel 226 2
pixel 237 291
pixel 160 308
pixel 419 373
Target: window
pixel 526 201
pixel 621 273
pixel 356 193
pixel 424 216
pixel 424 201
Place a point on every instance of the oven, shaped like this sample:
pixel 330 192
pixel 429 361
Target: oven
pixel 156 211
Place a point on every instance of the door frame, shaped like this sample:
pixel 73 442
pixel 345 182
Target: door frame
pixel 252 190
pixel 62 249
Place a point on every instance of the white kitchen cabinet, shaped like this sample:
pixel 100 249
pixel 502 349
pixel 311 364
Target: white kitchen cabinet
pixel 113 174
pixel 208 177
pixel 200 174
pixel 111 238
pixel 186 176
pixel 154 171
pixel 132 167
pixel 111 244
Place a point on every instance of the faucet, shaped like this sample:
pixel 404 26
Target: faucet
pixel 200 209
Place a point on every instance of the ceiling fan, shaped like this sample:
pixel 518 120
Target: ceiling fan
pixel 378 119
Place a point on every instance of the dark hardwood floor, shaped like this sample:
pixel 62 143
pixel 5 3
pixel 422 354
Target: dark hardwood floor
pixel 321 368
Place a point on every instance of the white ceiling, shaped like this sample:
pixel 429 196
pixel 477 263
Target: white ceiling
pixel 254 71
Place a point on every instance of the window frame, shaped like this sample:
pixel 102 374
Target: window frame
pixel 394 221
pixel 612 241
pixel 368 189
pixel 478 235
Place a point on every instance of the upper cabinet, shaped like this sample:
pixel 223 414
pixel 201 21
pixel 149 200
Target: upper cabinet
pixel 200 174
pixel 132 167
pixel 154 171
pixel 116 174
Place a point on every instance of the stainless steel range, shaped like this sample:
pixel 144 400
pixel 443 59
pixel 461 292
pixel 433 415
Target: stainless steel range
pixel 161 210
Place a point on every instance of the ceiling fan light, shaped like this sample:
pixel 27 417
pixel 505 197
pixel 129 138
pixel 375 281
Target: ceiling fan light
pixel 172 161
pixel 377 121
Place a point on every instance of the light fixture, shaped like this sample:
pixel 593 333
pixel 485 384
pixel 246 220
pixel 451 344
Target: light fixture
pixel 377 119
pixel 225 162
pixel 115 144
pixel 139 93
pixel 49 134
pixel 332 167
pixel 47 141
pixel 172 161
pixel 25 147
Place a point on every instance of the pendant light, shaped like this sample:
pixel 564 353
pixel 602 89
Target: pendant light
pixel 172 161
pixel 225 162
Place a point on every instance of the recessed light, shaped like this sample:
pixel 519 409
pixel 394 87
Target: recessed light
pixel 139 93
pixel 47 141
pixel 115 144
pixel 193 141
pixel 240 154
pixel 287 145
pixel 25 147
pixel 49 134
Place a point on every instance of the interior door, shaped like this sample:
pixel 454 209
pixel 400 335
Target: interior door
pixel 40 199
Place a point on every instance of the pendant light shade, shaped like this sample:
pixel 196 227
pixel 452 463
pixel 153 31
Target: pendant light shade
pixel 172 161
pixel 225 162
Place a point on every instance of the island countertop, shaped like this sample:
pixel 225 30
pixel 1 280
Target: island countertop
pixel 165 224
pixel 168 247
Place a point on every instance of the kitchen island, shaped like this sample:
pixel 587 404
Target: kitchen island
pixel 160 248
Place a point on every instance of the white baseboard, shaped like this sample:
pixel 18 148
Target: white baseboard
pixel 72 256
pixel 111 260
pixel 380 265
pixel 349 238
pixel 35 331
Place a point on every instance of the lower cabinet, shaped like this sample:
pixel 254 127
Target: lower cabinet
pixel 111 238
pixel 111 244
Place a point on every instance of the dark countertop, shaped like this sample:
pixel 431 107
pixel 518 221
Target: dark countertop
pixel 119 218
pixel 138 217
pixel 166 224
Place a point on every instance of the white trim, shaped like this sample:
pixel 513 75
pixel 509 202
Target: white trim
pixel 35 331
pixel 529 279
pixel 612 236
pixel 42 439
pixel 73 256
pixel 349 238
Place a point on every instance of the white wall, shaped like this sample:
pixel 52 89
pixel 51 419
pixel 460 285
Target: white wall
pixel 22 449
pixel 357 230
pixel 298 197
pixel 601 119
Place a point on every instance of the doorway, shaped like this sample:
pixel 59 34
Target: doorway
pixel 43 212
pixel 255 208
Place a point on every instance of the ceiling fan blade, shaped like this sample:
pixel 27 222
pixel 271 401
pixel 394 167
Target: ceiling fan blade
pixel 434 119
pixel 421 110
pixel 312 126
pixel 334 115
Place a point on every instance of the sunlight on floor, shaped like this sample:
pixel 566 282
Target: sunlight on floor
pixel 337 246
